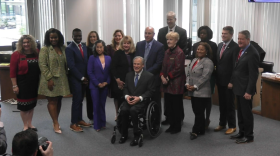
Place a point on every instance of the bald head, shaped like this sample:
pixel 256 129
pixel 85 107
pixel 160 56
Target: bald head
pixel 149 34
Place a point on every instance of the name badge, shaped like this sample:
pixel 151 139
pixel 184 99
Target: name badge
pixel 22 59
pixel 171 58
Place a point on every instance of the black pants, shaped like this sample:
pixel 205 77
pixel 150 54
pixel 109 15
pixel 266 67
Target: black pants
pixel 245 116
pixel 166 109
pixel 89 104
pixel 157 97
pixel 133 111
pixel 199 106
pixel 174 105
pixel 226 106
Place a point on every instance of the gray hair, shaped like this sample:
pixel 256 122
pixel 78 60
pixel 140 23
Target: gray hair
pixel 139 57
pixel 171 13
pixel 246 33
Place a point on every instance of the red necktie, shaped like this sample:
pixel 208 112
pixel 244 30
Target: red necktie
pixel 82 52
pixel 222 51
pixel 239 54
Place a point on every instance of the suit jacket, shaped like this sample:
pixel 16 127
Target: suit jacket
pixel 155 57
pixel 245 72
pixel 182 43
pixel 96 73
pixel 174 67
pixel 48 62
pixel 145 86
pixel 76 63
pixel 200 76
pixel 224 65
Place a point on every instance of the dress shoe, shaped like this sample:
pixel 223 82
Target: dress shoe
pixel 168 130
pixel 123 139
pixel 237 136
pixel 34 129
pixel 165 122
pixel 219 128
pixel 82 123
pixel 57 131
pixel 193 136
pixel 76 128
pixel 245 140
pixel 230 130
pixel 134 142
pixel 175 131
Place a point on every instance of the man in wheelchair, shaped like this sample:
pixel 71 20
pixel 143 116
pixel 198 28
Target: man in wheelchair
pixel 138 89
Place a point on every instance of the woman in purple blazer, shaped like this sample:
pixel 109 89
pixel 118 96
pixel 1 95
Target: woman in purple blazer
pixel 99 77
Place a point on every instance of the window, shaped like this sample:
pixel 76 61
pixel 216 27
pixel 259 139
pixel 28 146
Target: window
pixel 12 21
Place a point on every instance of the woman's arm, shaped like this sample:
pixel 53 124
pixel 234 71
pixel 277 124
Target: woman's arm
pixel 208 68
pixel 44 63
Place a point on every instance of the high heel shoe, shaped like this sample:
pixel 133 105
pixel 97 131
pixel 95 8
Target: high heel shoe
pixel 57 131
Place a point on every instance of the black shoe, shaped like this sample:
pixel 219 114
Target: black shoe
pixel 237 136
pixel 168 130
pixel 175 131
pixel 123 139
pixel 245 140
pixel 165 122
pixel 193 136
pixel 134 142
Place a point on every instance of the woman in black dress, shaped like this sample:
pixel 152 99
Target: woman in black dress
pixel 120 66
pixel 24 73
pixel 206 34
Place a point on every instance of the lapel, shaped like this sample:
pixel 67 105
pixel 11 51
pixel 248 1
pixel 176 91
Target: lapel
pixel 77 50
pixel 243 55
pixel 151 49
pixel 140 81
pixel 219 50
pixel 99 64
pixel 199 63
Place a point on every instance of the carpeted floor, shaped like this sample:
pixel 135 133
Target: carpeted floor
pixel 90 142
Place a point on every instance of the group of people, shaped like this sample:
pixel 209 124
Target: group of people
pixel 133 74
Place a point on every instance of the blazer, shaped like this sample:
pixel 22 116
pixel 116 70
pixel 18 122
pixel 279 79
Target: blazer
pixel 48 62
pixel 96 73
pixel 77 64
pixel 224 65
pixel 214 48
pixel 174 67
pixel 245 72
pixel 182 43
pixel 155 57
pixel 200 76
pixel 119 65
pixel 145 86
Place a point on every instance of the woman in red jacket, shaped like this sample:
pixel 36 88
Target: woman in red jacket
pixel 24 73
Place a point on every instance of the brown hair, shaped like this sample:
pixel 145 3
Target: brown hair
pixel 113 39
pixel 89 44
pixel 229 29
pixel 32 44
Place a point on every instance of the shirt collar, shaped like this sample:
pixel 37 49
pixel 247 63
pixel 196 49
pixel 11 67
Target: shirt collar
pixel 227 43
pixel 150 43
pixel 173 29
pixel 246 48
pixel 77 44
pixel 139 74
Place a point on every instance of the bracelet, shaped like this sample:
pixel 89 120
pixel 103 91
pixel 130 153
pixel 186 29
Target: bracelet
pixel 15 86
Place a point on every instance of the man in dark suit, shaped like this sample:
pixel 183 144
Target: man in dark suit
pixel 76 55
pixel 153 52
pixel 243 83
pixel 224 69
pixel 182 43
pixel 171 19
pixel 138 89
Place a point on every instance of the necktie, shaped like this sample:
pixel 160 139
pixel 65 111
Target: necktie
pixel 222 51
pixel 82 52
pixel 136 80
pixel 239 54
pixel 147 50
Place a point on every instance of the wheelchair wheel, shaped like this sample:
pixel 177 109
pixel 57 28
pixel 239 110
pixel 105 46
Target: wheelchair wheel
pixel 113 139
pixel 153 119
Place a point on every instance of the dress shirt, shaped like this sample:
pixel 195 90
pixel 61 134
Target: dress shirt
pixel 173 29
pixel 139 75
pixel 245 49
pixel 226 43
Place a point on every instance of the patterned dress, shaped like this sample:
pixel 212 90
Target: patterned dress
pixel 28 85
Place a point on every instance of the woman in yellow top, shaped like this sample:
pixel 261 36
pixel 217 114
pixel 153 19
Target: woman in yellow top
pixel 53 83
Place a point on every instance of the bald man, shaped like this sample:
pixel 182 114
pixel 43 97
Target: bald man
pixel 153 52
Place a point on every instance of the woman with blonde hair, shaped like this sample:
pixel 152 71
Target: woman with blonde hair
pixel 24 73
pixel 121 65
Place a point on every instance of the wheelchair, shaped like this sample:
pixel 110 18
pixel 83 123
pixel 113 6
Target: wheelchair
pixel 149 119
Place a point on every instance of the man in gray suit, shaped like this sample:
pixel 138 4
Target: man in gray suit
pixel 224 68
pixel 243 83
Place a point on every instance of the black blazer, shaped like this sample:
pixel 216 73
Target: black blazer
pixel 225 64
pixel 213 46
pixel 145 86
pixel 182 43
pixel 245 72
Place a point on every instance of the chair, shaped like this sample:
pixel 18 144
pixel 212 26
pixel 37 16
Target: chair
pixel 267 66
pixel 150 119
pixel 14 45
